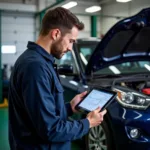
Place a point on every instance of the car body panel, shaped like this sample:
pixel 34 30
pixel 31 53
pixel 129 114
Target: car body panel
pixel 120 119
pixel 121 43
pixel 123 119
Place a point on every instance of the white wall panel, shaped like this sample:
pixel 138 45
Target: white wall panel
pixel 37 26
pixel 116 9
pixel 86 21
pixel 24 36
pixel 18 7
pixel 138 5
pixel 107 23
pixel 98 27
pixel 17 19
pixel 84 34
pixel 87 29
pixel 17 29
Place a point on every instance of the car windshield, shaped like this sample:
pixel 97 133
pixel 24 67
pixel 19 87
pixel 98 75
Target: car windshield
pixel 85 50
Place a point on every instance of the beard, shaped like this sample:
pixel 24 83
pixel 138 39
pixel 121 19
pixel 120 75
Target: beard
pixel 57 49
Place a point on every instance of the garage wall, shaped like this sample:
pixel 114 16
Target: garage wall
pixel 17 29
pixel 113 12
pixel 86 31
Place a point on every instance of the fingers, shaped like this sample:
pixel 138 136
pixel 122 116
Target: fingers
pixel 97 109
pixel 83 94
pixel 102 115
pixel 96 117
pixel 104 112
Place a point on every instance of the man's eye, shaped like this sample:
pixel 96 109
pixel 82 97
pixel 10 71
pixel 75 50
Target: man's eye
pixel 72 41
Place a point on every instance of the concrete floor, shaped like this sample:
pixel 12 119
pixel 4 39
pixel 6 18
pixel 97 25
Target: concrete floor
pixel 4 132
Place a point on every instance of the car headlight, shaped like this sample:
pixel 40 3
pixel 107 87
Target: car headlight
pixel 131 99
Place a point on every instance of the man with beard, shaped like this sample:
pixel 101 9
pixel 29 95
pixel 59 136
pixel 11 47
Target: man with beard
pixel 37 113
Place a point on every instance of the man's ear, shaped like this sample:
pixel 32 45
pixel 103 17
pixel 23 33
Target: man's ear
pixel 55 34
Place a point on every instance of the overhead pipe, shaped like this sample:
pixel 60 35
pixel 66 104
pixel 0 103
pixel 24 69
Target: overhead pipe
pixel 93 26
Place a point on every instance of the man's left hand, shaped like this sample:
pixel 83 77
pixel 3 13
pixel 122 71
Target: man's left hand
pixel 76 100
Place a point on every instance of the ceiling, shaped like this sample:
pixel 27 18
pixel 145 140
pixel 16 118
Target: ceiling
pixel 82 5
pixel 79 9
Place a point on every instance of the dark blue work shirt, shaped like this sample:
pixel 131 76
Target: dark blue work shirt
pixel 37 112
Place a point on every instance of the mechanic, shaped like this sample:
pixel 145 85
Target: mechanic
pixel 38 116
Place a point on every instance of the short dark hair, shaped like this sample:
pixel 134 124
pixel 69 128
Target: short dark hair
pixel 60 18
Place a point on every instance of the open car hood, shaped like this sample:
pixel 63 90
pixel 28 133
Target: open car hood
pixel 128 40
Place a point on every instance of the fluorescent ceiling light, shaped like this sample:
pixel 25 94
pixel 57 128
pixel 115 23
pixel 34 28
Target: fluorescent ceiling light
pixel 8 49
pixel 93 9
pixel 69 5
pixel 123 1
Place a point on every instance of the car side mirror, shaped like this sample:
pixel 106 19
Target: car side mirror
pixel 65 69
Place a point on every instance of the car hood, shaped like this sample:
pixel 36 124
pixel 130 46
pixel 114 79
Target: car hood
pixel 127 40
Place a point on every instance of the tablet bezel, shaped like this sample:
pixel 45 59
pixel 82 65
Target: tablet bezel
pixel 82 109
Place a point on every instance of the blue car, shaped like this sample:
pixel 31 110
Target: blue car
pixel 120 62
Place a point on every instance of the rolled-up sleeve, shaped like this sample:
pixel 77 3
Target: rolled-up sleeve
pixel 40 105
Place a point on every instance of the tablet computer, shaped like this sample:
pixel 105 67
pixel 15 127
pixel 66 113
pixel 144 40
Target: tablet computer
pixel 96 98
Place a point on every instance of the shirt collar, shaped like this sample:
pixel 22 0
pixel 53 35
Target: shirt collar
pixel 42 51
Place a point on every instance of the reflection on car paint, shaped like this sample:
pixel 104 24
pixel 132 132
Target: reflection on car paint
pixel 85 86
pixel 139 115
pixel 114 69
pixel 63 76
pixel 73 82
pixel 124 113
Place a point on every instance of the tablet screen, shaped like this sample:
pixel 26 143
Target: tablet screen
pixel 94 99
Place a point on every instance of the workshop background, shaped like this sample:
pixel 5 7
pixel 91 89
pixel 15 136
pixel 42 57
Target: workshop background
pixel 20 22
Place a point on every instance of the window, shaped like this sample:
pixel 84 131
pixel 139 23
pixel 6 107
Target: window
pixel 67 59
pixel 8 49
pixel 85 50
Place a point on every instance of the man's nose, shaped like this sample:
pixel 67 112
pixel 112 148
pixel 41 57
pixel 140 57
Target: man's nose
pixel 70 47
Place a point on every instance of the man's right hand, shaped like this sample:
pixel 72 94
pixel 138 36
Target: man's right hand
pixel 96 117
